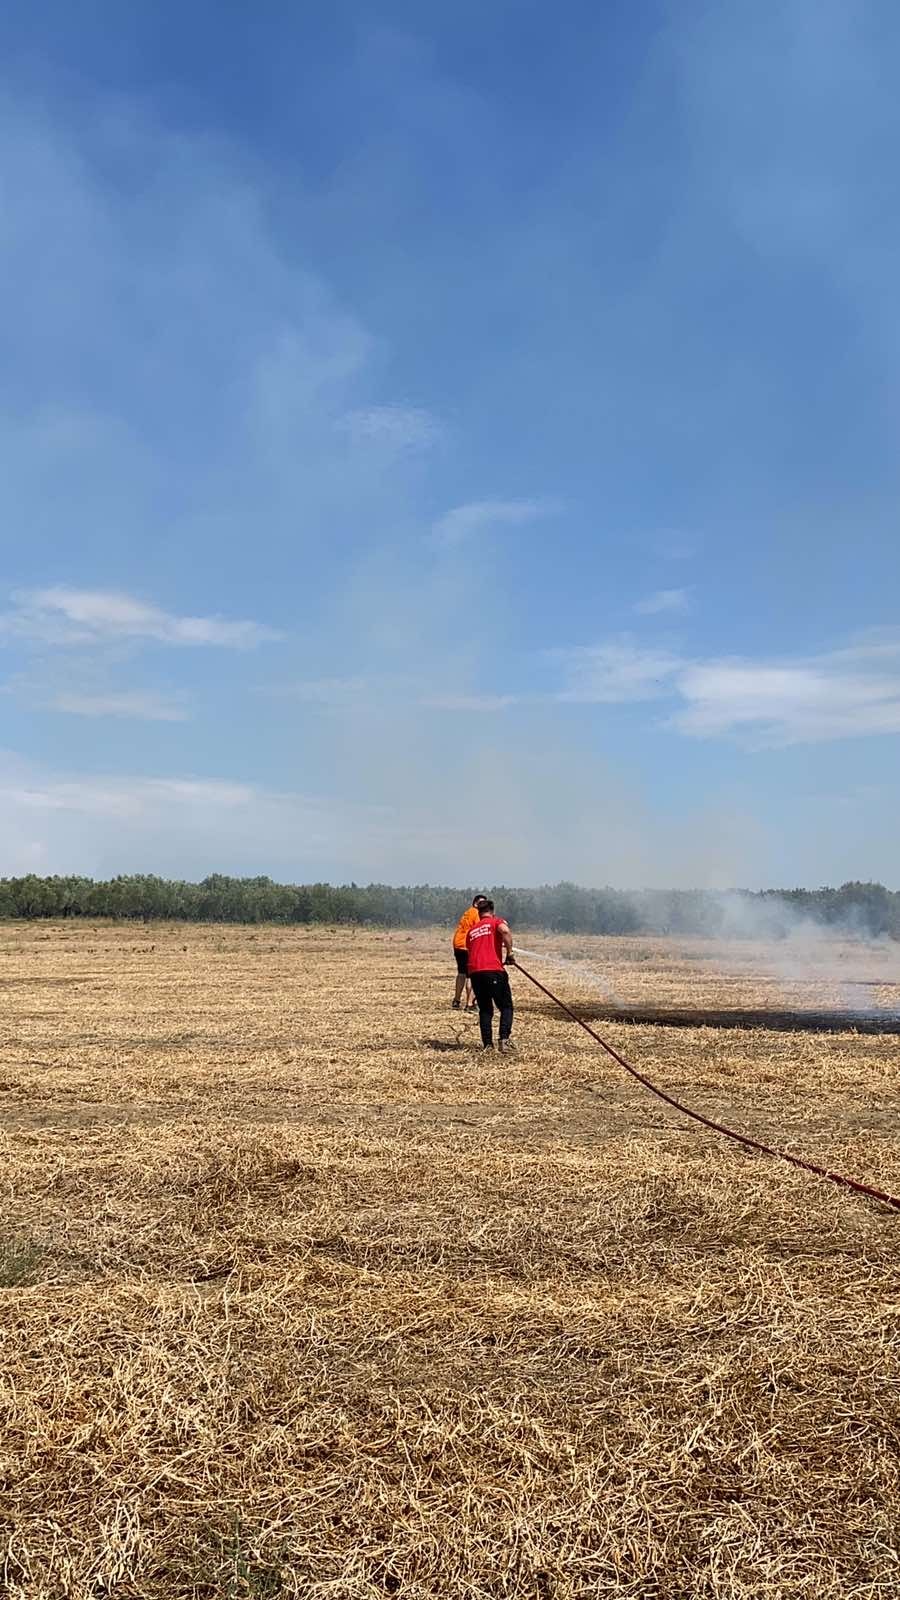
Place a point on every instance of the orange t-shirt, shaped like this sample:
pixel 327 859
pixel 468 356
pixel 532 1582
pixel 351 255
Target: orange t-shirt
pixel 466 921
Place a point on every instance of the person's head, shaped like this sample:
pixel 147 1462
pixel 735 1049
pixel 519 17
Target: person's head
pixel 484 906
pixel 477 899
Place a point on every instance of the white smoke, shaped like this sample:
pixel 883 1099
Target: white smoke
pixel 810 965
pixel 840 964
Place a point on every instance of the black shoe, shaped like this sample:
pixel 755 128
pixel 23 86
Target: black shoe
pixel 454 1005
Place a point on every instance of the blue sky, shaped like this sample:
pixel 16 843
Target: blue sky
pixel 451 442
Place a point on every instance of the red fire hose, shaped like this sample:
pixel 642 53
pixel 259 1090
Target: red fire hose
pixel 707 1122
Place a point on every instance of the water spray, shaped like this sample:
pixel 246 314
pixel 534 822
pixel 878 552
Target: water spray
pixel 707 1122
pixel 579 969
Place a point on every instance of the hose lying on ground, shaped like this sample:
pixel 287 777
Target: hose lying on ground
pixel 707 1122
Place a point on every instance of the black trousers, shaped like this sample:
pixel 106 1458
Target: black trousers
pixel 492 989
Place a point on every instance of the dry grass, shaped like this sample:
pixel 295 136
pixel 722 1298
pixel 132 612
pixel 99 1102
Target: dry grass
pixel 314 1300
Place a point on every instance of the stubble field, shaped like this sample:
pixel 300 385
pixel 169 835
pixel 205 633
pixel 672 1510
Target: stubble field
pixel 302 1295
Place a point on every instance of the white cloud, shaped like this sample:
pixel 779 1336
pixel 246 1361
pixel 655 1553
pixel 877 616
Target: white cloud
pixel 617 672
pixel 141 704
pixel 788 703
pixel 398 427
pixel 187 826
pixel 124 797
pixel 664 600
pixel 63 616
pixel 875 644
pixel 456 527
pixel 184 826
pixel 840 694
pixel 72 822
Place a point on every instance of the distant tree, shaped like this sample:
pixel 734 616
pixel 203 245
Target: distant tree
pixel 863 908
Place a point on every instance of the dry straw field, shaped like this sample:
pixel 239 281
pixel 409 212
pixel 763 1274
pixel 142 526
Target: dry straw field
pixel 303 1296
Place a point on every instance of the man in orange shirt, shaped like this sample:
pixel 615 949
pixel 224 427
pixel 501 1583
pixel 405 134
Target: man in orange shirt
pixel 466 921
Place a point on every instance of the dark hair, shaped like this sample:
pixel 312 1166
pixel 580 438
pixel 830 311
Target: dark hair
pixel 485 904
pixel 477 898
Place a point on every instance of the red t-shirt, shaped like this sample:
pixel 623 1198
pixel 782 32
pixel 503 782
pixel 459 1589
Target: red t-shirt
pixel 484 946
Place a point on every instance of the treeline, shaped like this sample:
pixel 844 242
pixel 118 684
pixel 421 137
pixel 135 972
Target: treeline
pixel 864 908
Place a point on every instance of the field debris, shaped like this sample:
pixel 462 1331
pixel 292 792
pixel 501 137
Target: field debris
pixel 317 1300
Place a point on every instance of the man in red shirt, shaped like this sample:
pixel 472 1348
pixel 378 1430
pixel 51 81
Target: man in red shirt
pixel 487 944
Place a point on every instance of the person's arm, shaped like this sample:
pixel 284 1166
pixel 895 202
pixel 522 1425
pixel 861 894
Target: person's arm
pixel 506 942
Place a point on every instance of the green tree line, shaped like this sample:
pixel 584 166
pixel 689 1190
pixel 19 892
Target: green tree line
pixel 865 908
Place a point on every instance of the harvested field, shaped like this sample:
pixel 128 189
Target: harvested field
pixel 301 1295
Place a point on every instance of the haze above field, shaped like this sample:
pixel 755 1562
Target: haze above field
pixel 451 443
